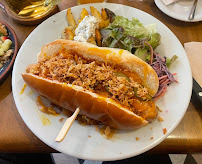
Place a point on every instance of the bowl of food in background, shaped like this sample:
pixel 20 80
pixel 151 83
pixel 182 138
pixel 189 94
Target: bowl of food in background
pixel 8 48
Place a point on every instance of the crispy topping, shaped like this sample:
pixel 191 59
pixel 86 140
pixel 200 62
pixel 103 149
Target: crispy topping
pixel 84 120
pixel 61 119
pixel 160 119
pixel 91 75
pixel 106 131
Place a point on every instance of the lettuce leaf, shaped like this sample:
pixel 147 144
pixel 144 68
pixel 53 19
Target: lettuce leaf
pixel 154 40
pixel 169 61
pixel 132 28
pixel 151 28
pixel 142 54
pixel 131 35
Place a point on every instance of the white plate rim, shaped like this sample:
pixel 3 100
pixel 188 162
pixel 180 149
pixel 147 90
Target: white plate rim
pixel 166 11
pixel 95 158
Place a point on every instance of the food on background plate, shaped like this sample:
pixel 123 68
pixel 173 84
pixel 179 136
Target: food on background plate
pixel 5 44
pixel 108 30
pixel 109 85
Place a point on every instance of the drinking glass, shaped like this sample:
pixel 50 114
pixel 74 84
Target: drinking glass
pixel 29 12
pixel 90 1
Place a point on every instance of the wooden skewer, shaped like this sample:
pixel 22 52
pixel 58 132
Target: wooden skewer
pixel 66 126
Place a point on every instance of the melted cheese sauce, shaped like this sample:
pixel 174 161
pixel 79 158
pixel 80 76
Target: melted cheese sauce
pixel 23 89
pixel 45 121
pixel 45 109
pixel 120 52
pixel 99 51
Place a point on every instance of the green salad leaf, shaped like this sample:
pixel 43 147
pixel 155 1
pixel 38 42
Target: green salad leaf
pixel 130 35
pixel 155 39
pixel 169 61
pixel 132 28
pixel 143 54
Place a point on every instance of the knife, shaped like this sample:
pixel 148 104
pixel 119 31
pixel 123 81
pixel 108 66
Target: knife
pixel 197 92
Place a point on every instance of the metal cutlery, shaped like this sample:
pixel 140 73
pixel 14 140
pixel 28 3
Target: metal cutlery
pixel 193 9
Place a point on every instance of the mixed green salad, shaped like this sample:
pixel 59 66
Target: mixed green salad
pixel 141 41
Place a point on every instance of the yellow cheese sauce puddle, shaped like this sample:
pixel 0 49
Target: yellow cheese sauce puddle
pixel 45 109
pixel 105 131
pixel 30 92
pixel 45 121
pixel 48 110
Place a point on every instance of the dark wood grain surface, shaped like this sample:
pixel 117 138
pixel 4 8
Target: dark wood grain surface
pixel 16 137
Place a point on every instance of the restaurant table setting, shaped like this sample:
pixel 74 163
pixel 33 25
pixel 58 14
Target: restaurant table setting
pixel 23 129
pixel 184 10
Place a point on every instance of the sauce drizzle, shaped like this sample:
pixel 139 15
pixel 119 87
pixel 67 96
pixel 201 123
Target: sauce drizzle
pixel 45 109
pixel 23 89
pixel 45 121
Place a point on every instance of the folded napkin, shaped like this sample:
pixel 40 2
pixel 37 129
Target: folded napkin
pixel 167 2
pixel 194 54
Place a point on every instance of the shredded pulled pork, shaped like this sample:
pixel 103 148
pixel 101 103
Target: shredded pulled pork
pixel 93 76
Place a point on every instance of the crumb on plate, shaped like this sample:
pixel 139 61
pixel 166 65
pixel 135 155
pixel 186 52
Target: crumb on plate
pixel 158 109
pixel 164 131
pixel 61 119
pixel 160 119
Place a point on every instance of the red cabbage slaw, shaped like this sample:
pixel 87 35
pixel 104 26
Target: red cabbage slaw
pixel 158 63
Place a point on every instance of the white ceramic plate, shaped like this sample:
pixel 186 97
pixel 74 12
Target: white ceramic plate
pixel 180 10
pixel 84 141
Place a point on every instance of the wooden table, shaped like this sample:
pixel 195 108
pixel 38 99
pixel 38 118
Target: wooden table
pixel 15 136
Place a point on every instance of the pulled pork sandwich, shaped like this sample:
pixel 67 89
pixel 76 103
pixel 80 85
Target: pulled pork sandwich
pixel 109 85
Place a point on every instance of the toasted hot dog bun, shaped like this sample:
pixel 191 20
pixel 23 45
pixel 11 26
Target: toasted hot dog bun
pixel 92 105
pixel 106 55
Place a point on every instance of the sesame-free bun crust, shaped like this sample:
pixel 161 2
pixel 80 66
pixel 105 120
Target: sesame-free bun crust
pixel 92 105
